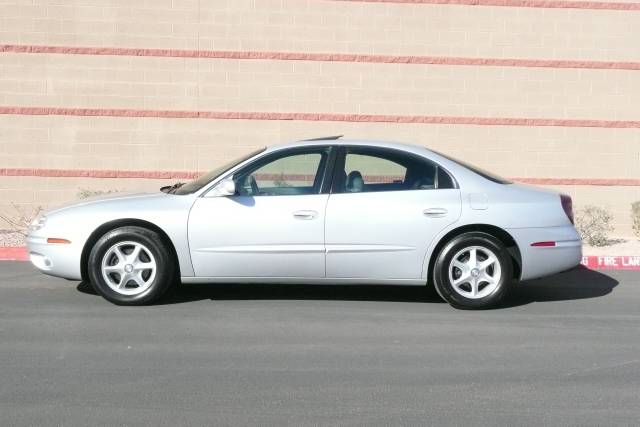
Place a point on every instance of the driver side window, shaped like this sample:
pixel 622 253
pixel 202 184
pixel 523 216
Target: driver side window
pixel 297 173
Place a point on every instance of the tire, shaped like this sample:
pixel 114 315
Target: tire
pixel 131 266
pixel 469 285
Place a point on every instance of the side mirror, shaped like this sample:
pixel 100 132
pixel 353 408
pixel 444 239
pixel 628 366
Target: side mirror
pixel 226 187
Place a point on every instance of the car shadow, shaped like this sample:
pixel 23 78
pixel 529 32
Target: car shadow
pixel 218 292
pixel 579 283
pixel 239 291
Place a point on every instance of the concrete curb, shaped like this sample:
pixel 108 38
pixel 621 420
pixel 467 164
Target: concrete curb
pixel 604 262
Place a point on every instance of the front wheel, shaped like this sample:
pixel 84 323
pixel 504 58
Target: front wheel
pixel 473 271
pixel 131 266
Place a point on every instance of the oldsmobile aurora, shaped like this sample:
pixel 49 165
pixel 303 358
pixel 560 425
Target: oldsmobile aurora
pixel 319 211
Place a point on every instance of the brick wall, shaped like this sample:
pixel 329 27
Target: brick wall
pixel 410 62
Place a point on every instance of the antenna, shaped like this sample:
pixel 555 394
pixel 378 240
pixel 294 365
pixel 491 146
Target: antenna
pixel 325 138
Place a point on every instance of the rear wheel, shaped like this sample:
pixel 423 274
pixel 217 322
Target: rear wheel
pixel 131 266
pixel 473 271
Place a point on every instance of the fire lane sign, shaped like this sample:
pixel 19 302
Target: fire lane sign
pixel 612 262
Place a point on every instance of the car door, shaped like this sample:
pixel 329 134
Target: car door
pixel 272 227
pixel 385 209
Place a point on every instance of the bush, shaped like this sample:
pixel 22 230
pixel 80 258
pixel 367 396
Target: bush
pixel 20 219
pixel 84 193
pixel 635 217
pixel 594 225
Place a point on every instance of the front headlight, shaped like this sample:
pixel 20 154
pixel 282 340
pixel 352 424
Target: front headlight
pixel 39 222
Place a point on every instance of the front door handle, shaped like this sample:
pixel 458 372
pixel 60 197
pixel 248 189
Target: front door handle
pixel 435 212
pixel 305 214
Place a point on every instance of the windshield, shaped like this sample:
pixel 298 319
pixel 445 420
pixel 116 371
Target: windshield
pixel 483 173
pixel 200 182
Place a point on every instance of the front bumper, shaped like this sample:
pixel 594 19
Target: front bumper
pixel 540 261
pixel 60 260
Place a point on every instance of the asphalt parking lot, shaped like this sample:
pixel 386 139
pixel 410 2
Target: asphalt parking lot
pixel 562 351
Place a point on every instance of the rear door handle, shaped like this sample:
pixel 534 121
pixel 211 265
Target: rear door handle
pixel 435 212
pixel 305 214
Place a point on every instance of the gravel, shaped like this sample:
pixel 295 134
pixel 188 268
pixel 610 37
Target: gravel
pixel 620 246
pixel 10 238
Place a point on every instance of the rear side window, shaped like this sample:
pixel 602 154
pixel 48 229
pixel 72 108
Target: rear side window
pixel 372 169
pixel 444 179
pixel 483 173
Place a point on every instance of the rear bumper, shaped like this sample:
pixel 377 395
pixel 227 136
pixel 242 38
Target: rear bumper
pixel 540 261
pixel 60 260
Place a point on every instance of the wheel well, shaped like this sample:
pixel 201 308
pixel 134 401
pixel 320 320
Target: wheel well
pixel 497 232
pixel 112 225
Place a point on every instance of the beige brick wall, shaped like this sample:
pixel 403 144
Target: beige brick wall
pixel 55 80
pixel 196 144
pixel 326 26
pixel 305 86
pixel 26 190
pixel 190 144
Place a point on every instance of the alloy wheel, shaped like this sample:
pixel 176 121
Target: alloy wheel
pixel 475 272
pixel 128 268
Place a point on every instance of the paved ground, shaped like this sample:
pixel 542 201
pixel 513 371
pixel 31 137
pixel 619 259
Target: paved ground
pixel 563 351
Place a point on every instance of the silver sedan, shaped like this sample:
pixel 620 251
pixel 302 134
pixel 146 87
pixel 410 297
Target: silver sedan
pixel 325 211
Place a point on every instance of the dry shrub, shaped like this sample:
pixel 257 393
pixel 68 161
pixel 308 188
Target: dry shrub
pixel 594 225
pixel 20 218
pixel 635 217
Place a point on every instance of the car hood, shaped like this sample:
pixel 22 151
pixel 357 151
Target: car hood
pixel 107 198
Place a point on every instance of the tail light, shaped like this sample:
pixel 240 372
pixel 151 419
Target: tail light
pixel 567 206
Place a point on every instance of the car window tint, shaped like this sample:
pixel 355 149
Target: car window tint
pixel 483 173
pixel 365 171
pixel 203 180
pixel 444 180
pixel 371 170
pixel 295 174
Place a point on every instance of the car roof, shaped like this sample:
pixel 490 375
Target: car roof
pixel 458 171
pixel 357 142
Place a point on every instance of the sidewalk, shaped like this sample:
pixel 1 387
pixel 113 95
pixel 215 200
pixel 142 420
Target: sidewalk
pixel 623 255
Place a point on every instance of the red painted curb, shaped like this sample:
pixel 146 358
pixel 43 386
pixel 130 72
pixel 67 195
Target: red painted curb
pixel 592 262
pixel 13 254
pixel 316 117
pixel 322 57
pixel 624 262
